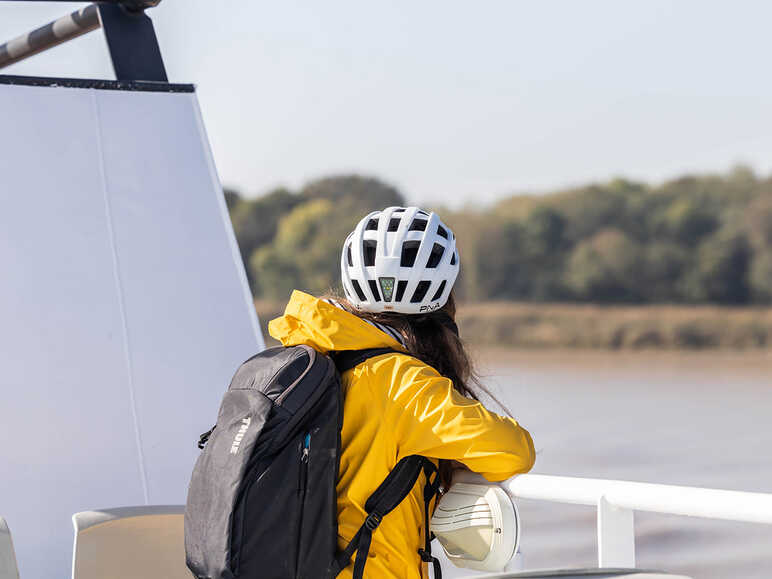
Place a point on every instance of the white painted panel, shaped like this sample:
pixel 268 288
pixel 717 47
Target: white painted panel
pixel 188 333
pixel 123 306
pixel 65 411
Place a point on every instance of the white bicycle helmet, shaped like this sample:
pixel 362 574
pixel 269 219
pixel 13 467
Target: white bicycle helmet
pixel 401 259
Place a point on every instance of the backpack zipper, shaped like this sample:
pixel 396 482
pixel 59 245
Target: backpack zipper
pixel 304 465
pixel 302 483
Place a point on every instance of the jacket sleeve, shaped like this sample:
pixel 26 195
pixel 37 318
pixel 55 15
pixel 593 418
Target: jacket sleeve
pixel 432 419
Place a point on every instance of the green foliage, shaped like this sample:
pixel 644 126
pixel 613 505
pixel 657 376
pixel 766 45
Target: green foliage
pixel 720 273
pixel 664 264
pixel 354 192
pixel 301 256
pixel 544 230
pixel 606 267
pixel 761 277
pixel 501 262
pixel 255 221
pixel 590 209
pixel 521 259
pixel 232 198
pixel 685 221
pixel 293 240
pixel 758 220
pixel 695 239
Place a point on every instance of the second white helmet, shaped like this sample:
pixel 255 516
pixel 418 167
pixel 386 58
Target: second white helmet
pixel 401 259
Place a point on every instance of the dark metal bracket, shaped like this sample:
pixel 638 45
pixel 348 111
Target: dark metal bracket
pixel 132 43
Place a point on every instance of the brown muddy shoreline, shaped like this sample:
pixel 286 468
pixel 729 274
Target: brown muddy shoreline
pixel 524 326
pixel 568 326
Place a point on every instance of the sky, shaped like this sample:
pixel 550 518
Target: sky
pixel 457 102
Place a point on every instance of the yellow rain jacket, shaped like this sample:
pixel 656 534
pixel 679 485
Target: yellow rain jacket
pixel 396 406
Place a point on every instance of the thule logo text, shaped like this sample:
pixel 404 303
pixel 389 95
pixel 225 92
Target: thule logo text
pixel 240 434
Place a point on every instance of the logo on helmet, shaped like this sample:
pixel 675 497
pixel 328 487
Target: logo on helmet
pixel 387 287
pixel 430 307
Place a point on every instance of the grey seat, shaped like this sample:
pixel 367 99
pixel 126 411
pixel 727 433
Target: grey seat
pixel 8 567
pixel 595 573
pixel 130 542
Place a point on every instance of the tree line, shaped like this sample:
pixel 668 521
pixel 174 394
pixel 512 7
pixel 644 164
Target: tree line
pixel 695 239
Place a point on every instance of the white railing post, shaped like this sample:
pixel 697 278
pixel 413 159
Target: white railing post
pixel 616 535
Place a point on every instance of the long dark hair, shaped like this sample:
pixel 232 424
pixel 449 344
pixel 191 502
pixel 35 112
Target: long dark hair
pixel 433 338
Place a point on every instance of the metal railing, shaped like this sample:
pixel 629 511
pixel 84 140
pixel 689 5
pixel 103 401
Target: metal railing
pixel 616 502
pixel 52 34
pixel 129 32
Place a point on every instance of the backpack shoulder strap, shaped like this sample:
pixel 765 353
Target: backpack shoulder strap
pixel 348 359
pixel 390 493
pixel 430 491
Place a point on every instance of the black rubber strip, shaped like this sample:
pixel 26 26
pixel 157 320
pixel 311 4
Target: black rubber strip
pixel 134 85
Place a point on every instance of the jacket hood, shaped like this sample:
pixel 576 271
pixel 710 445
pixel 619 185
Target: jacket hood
pixel 324 327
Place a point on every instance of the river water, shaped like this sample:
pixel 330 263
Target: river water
pixel 690 419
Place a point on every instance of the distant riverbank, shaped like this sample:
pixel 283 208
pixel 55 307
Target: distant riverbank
pixel 548 326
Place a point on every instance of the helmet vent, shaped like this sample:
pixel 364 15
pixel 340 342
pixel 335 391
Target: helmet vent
pixel 358 289
pixel 401 287
pixel 394 223
pixel 442 232
pixel 348 255
pixel 372 225
pixel 420 292
pixel 453 259
pixel 409 253
pixel 374 289
pixel 436 255
pixel 418 225
pixel 439 291
pixel 368 247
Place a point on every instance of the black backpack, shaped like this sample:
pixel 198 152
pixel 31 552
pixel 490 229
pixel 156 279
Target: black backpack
pixel 262 501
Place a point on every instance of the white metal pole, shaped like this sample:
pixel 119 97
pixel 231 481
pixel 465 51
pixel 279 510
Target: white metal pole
pixel 52 34
pixel 669 499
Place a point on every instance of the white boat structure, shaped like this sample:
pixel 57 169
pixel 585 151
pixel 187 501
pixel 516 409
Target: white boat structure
pixel 124 308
